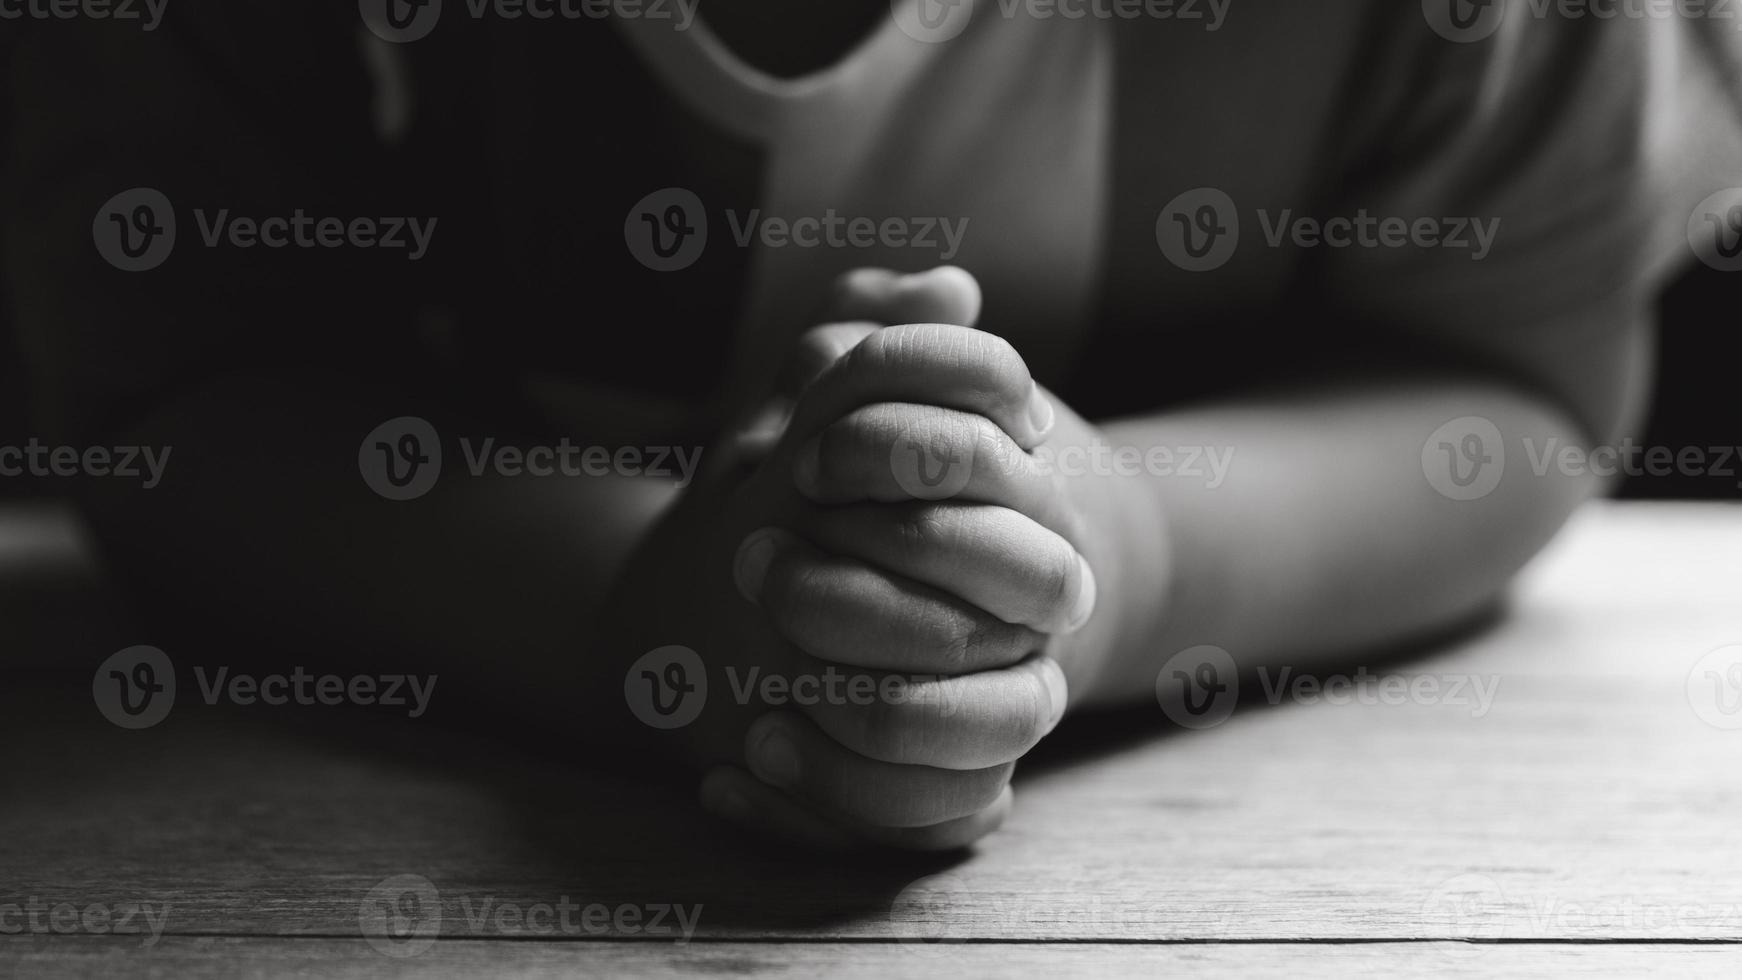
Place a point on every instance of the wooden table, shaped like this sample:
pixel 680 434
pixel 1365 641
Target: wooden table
pixel 1589 822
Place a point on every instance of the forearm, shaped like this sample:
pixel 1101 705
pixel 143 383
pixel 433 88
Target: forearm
pixel 1325 540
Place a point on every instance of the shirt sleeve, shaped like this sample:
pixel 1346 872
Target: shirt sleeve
pixel 1528 184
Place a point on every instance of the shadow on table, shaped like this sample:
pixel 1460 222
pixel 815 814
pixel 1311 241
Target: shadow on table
pixel 344 798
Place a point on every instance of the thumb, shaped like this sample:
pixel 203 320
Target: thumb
pixel 945 294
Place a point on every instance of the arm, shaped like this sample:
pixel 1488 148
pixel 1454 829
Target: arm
pixel 1326 539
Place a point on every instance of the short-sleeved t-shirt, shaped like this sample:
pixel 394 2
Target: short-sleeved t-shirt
pixel 1163 202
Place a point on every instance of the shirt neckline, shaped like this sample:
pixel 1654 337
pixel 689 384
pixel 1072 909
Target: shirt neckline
pixel 735 95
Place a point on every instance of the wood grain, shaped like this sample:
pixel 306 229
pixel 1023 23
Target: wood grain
pixel 1589 801
pixel 234 959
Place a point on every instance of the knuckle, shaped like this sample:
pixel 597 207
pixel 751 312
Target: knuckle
pixel 923 530
pixel 1003 374
pixel 971 643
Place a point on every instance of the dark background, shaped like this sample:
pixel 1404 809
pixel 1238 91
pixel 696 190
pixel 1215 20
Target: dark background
pixel 1695 403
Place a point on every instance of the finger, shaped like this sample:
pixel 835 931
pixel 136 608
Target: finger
pixel 971 722
pixel 945 294
pixel 789 752
pixel 931 364
pixel 993 557
pixel 818 349
pixel 741 798
pixel 734 795
pixel 864 301
pixel 847 612
pixel 892 452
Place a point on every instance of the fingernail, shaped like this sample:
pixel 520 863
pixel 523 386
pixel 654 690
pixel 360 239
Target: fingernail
pixel 751 565
pixel 807 469
pixel 1085 606
pixel 774 759
pixel 1056 689
pixel 1040 414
